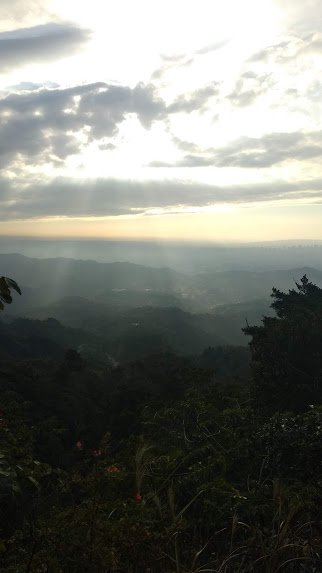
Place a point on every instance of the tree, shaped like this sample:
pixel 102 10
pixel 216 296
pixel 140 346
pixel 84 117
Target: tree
pixel 287 351
pixel 6 285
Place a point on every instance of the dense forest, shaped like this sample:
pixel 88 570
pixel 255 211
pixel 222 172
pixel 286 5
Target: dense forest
pixel 169 462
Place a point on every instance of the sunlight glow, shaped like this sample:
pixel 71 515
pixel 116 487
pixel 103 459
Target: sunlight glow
pixel 214 76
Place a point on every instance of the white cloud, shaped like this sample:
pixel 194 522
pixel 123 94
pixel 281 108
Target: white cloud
pixel 301 16
pixel 18 13
pixel 234 92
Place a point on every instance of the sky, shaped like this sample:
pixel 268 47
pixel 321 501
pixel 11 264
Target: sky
pixel 198 120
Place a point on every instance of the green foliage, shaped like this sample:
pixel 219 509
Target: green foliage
pixel 6 285
pixel 287 351
pixel 164 465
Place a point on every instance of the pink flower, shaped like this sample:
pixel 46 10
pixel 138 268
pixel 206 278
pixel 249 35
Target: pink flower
pixel 79 445
pixel 138 497
pixel 97 453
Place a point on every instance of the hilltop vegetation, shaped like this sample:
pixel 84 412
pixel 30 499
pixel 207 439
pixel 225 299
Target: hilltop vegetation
pixel 166 464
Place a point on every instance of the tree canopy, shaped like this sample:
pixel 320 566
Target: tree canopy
pixel 167 464
pixel 287 350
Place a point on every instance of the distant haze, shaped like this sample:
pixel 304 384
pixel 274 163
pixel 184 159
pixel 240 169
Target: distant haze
pixel 187 257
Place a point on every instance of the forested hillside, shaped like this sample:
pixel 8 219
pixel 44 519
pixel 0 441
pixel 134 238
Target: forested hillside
pixel 171 462
pixel 126 285
pixel 134 310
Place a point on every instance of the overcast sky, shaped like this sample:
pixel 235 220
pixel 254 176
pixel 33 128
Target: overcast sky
pixel 172 119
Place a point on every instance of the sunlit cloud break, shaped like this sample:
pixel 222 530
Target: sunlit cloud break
pixel 133 121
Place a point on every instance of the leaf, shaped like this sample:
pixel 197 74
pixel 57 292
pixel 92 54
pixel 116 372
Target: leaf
pixel 33 481
pixel 5 295
pixel 4 291
pixel 189 503
pixel 12 284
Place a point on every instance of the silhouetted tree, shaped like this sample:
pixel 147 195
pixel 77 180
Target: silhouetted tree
pixel 287 350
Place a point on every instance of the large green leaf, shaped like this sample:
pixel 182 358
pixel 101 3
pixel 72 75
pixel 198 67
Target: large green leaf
pixel 12 284
pixel 5 295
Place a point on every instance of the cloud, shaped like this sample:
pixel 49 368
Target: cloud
pixel 171 62
pixel 175 61
pixel 195 101
pixel 28 87
pixel 251 152
pixel 107 147
pixel 249 87
pixel 312 44
pixel 43 43
pixel 186 145
pixel 293 48
pixel 15 13
pixel 300 16
pixel 44 125
pixel 173 58
pixel 211 48
pixel 274 51
pixel 112 197
pixel 271 149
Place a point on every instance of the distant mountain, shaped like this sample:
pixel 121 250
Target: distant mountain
pixel 126 285
pixel 132 310
pixel 233 287
pixel 187 257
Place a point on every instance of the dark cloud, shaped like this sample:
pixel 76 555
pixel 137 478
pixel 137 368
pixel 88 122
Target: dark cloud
pixel 107 197
pixel 270 150
pixel 43 125
pixel 43 43
pixel 251 152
